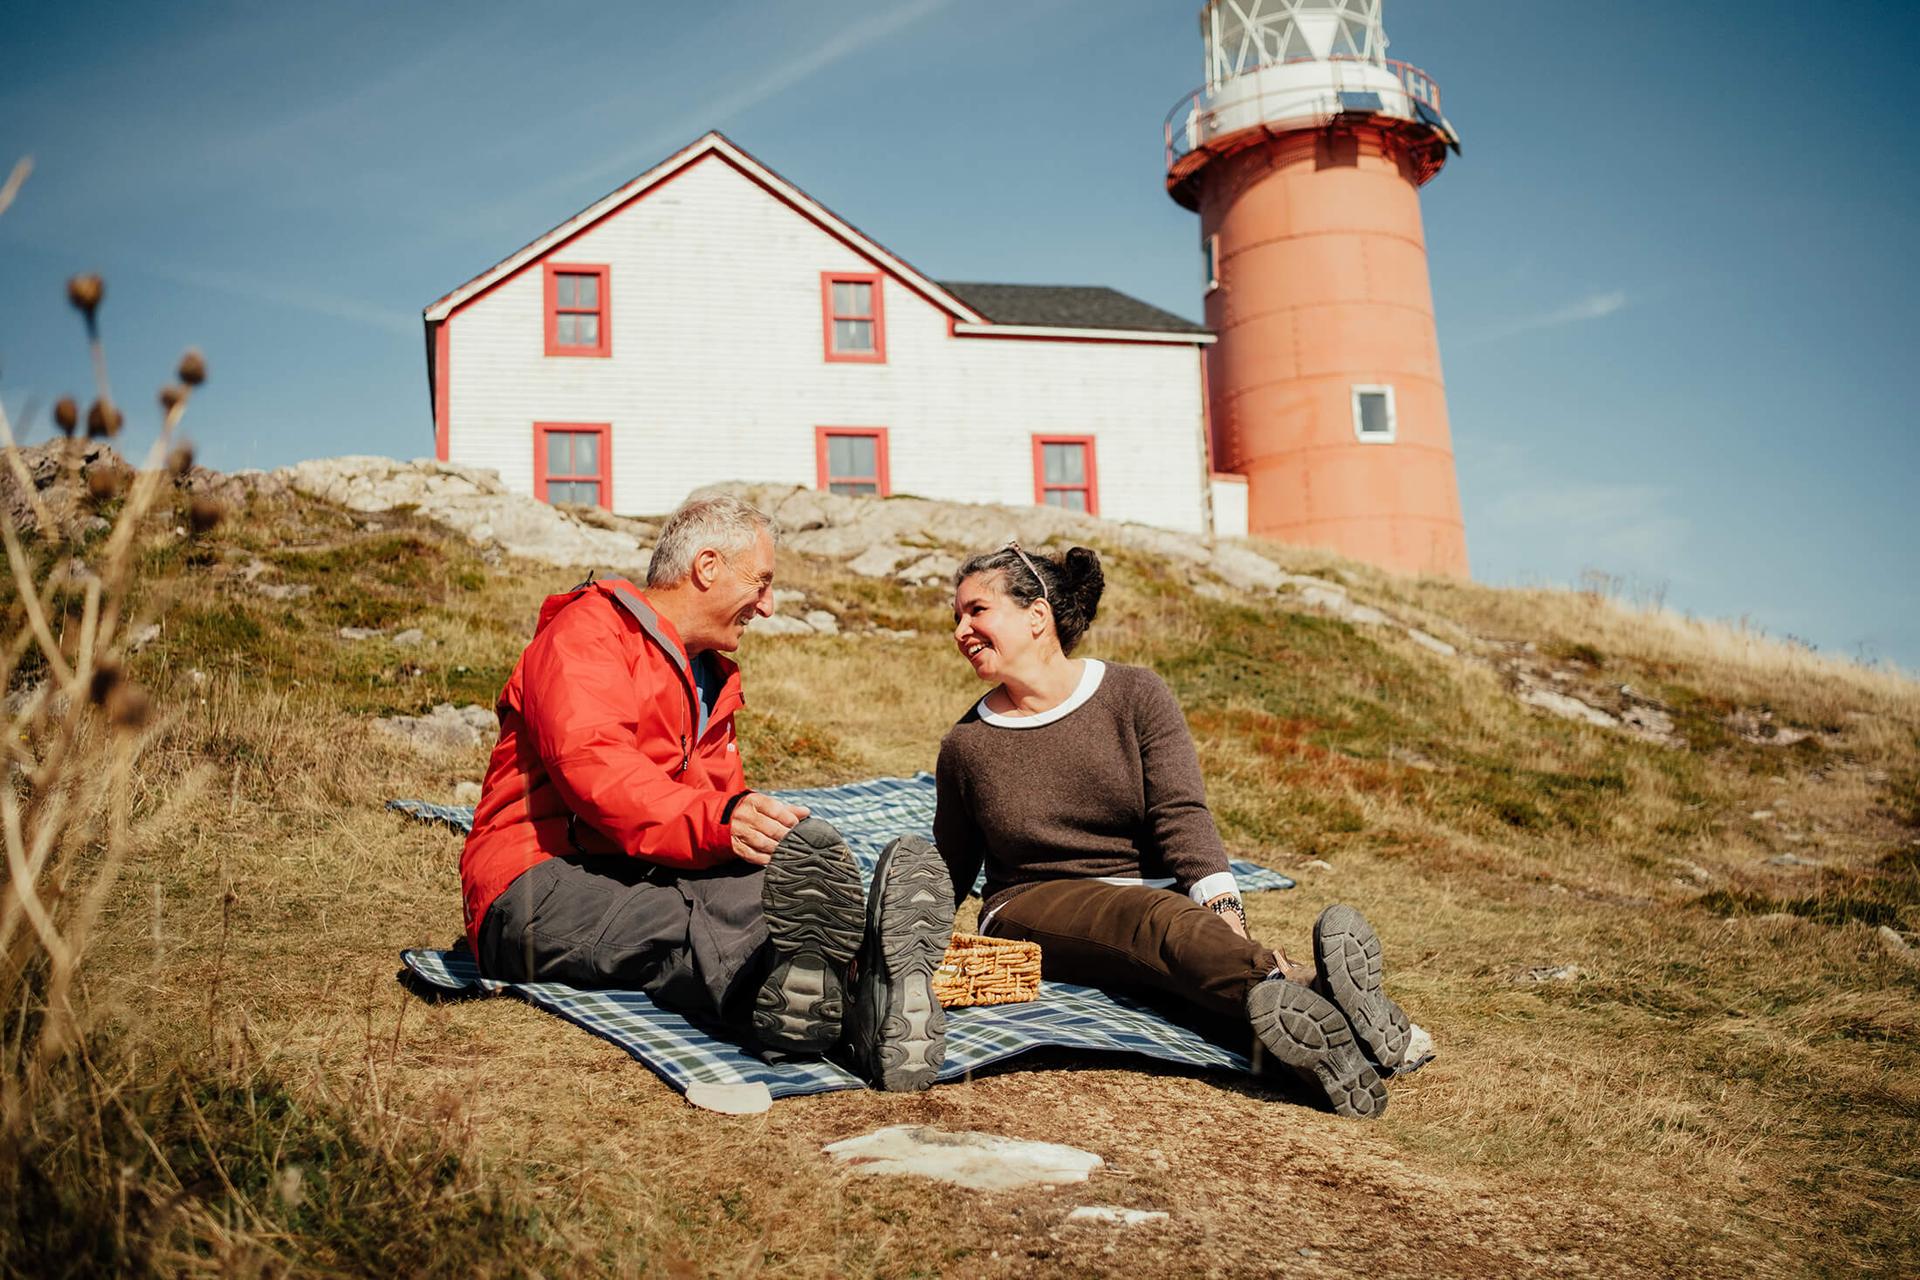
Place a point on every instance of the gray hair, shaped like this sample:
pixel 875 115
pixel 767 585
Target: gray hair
pixel 726 524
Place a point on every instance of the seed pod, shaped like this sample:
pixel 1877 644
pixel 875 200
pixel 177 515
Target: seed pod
pixel 193 367
pixel 203 513
pixel 103 482
pixel 103 420
pixel 180 458
pixel 105 678
pixel 66 414
pixel 170 395
pixel 127 706
pixel 85 291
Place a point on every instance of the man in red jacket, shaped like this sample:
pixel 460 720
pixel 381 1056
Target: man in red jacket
pixel 616 843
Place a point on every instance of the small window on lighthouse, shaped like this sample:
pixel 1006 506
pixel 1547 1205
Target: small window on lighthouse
pixel 1373 416
pixel 1210 261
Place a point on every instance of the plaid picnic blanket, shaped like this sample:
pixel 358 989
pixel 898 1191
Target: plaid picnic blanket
pixel 682 1054
pixel 868 814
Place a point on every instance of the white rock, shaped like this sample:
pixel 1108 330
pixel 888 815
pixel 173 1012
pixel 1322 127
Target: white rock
pixel 879 560
pixel 1244 569
pixel 749 1098
pixel 143 637
pixel 786 595
pixel 410 637
pixel 1323 595
pixel 284 590
pixel 1434 643
pixel 1553 973
pixel 1563 705
pixel 982 1161
pixel 467 793
pixel 1316 864
pixel 1366 616
pixel 1793 860
pixel 1115 1215
pixel 1419 1049
pixel 823 622
pixel 361 633
pixel 472 501
pixel 936 568
pixel 445 728
pixel 780 624
pixel 1893 940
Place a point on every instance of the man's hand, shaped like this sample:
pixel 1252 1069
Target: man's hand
pixel 759 823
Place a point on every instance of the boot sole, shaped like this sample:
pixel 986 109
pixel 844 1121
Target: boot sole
pixel 1307 1033
pixel 812 899
pixel 1346 952
pixel 903 1036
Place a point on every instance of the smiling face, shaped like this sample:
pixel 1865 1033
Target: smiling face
pixel 741 589
pixel 990 628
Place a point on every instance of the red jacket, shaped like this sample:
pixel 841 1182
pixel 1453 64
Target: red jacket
pixel 601 721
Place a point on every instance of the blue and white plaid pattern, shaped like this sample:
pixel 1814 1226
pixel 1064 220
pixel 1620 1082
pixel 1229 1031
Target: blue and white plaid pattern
pixel 682 1054
pixel 867 814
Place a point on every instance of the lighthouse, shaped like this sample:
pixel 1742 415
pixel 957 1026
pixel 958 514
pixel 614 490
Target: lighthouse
pixel 1304 154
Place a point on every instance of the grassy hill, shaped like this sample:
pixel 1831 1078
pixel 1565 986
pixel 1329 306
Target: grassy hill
pixel 1670 982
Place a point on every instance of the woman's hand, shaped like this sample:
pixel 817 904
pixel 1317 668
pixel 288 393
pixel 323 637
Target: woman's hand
pixel 1228 907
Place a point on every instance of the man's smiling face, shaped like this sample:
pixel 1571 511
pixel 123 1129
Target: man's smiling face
pixel 742 590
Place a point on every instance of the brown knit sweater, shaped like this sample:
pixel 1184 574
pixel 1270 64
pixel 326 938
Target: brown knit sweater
pixel 1112 788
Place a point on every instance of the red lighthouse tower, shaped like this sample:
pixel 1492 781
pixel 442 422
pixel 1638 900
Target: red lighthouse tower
pixel 1304 155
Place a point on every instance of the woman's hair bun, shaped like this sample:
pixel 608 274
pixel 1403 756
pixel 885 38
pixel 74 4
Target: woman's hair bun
pixel 1082 584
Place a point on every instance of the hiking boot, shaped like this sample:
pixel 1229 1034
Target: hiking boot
pixel 1304 1030
pixel 897 1031
pixel 811 897
pixel 1346 951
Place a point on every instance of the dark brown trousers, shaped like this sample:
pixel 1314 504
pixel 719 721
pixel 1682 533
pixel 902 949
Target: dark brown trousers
pixel 1153 941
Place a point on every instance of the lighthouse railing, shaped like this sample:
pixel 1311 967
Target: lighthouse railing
pixel 1190 120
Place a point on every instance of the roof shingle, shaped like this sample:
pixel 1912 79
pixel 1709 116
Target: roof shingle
pixel 1068 306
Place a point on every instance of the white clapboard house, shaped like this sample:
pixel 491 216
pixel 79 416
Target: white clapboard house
pixel 710 321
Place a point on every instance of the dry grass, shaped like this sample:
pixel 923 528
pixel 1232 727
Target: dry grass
pixel 1728 1087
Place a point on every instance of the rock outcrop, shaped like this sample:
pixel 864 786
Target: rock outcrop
pixel 473 502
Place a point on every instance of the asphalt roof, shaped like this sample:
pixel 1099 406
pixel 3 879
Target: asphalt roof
pixel 1067 306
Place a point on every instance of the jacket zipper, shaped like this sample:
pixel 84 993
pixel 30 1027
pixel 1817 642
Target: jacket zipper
pixel 686 753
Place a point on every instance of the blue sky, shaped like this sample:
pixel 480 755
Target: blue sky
pixel 1674 269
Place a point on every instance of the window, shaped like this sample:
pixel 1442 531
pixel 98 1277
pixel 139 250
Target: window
pixel 1373 416
pixel 579 320
pixel 571 463
pixel 855 319
pixel 1064 475
pixel 852 460
pixel 1210 261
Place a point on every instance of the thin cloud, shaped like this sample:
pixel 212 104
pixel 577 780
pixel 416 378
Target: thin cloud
pixel 1568 526
pixel 1596 306
pixel 313 301
pixel 752 91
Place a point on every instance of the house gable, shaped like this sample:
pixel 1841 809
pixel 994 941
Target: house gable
pixel 712 146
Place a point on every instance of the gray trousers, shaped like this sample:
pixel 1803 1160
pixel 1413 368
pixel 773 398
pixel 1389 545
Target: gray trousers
pixel 694 941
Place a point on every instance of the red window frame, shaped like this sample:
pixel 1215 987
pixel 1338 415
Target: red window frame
pixel 541 430
pixel 551 291
pixel 824 479
pixel 1040 486
pixel 878 355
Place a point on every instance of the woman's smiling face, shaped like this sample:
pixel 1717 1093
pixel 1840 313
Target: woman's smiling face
pixel 989 627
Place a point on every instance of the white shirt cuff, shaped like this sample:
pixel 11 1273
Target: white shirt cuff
pixel 1211 887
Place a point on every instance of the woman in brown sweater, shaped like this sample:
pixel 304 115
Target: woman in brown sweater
pixel 1076 784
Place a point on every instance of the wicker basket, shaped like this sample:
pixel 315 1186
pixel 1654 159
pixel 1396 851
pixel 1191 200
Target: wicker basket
pixel 982 970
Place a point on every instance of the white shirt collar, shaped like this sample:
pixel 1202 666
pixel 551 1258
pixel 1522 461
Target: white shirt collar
pixel 1091 674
